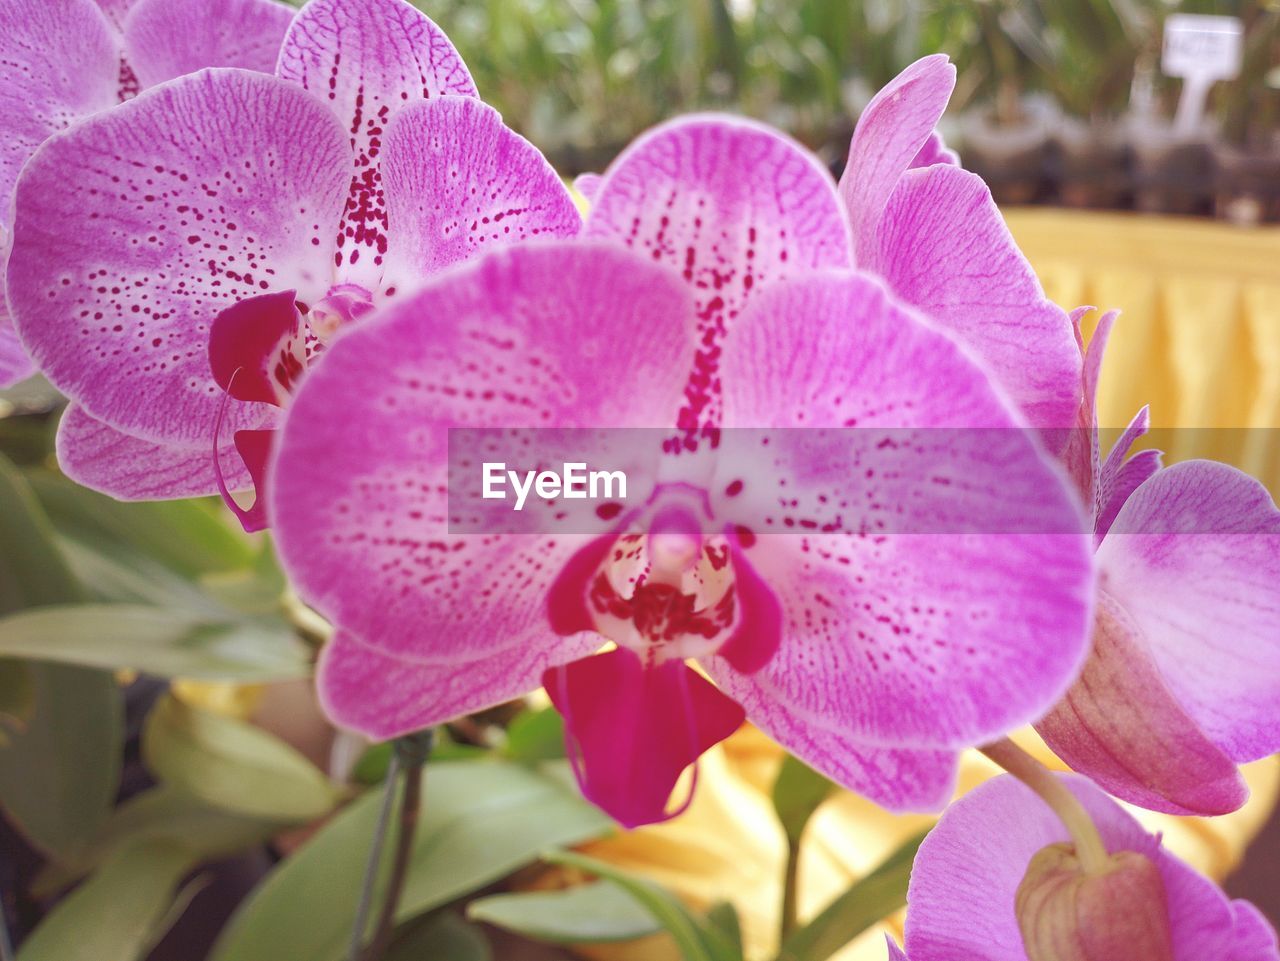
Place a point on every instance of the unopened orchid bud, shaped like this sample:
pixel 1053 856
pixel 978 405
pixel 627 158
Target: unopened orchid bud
pixel 1068 914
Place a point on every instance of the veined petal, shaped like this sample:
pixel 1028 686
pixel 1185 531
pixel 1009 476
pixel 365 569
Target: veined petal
pixel 1255 938
pixel 933 568
pixel 733 206
pixel 458 182
pixel 383 695
pixel 943 247
pixel 117 11
pixel 165 39
pixel 138 226
pixel 935 151
pixel 960 903
pixel 558 334
pixel 891 132
pixel 131 469
pixel 366 59
pixel 1120 725
pixel 61 62
pixel 898 779
pixel 1121 475
pixel 632 728
pixel 1194 558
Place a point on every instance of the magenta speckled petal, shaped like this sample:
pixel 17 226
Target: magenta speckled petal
pixel 137 227
pixel 359 499
pixel 383 696
pixel 1194 558
pixel 1120 725
pixel 165 39
pixel 436 220
pixel 730 204
pixel 893 129
pixel 904 637
pixel 943 247
pixel 117 11
pixel 129 469
pixel 61 62
pixel 960 904
pixel 366 59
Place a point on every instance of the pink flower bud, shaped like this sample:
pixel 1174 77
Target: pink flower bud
pixel 1066 914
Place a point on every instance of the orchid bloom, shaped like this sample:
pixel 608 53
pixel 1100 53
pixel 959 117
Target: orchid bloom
pixel 1184 676
pixel 931 230
pixel 711 291
pixel 210 237
pixel 67 59
pixel 964 900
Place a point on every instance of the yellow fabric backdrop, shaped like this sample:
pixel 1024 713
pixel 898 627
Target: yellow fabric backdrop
pixel 1199 340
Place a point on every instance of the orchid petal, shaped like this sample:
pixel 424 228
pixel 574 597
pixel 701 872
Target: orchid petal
pixel 960 903
pixel 254 448
pixel 1255 938
pixel 904 638
pixel 943 247
pixel 1119 477
pixel 130 469
pixel 895 952
pixel 897 779
pixel 935 151
pixel 893 129
pixel 1120 725
pixel 563 334
pixel 1194 558
pixel 734 207
pixel 458 182
pixel 62 62
pixel 165 39
pixel 15 365
pixel 117 11
pixel 384 696
pixel 254 348
pixel 366 59
pixel 138 226
pixel 1080 454
pixel 632 728
pixel 588 186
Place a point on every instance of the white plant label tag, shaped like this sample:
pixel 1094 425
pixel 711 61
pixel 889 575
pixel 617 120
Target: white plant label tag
pixel 1201 50
pixel 1197 45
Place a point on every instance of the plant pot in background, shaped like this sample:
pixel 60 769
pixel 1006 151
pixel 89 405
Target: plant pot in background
pixel 1171 168
pixel 1093 164
pixel 1246 183
pixel 1011 158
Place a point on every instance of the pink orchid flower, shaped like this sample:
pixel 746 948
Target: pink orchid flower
pixel 211 236
pixel 67 59
pixel 1184 676
pixel 932 231
pixel 711 291
pixel 964 884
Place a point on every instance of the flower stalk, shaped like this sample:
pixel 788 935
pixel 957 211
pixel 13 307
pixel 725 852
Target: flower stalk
pixel 1089 847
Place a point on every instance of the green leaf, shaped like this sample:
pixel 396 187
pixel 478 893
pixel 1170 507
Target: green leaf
pixel 169 642
pixel 480 821
pixel 120 912
pixel 797 793
pixel 441 937
pixel 59 773
pixel 232 765
pixel 865 903
pixel 723 916
pixel 33 571
pixel 592 912
pixel 185 536
pixel 695 940
pixel 165 813
pixel 536 735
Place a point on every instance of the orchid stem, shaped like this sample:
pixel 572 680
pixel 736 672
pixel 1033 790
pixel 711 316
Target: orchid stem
pixel 1089 847
pixel 6 945
pixel 790 889
pixel 409 754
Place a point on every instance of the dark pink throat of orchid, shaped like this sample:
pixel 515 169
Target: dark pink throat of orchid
pixel 259 350
pixel 638 716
